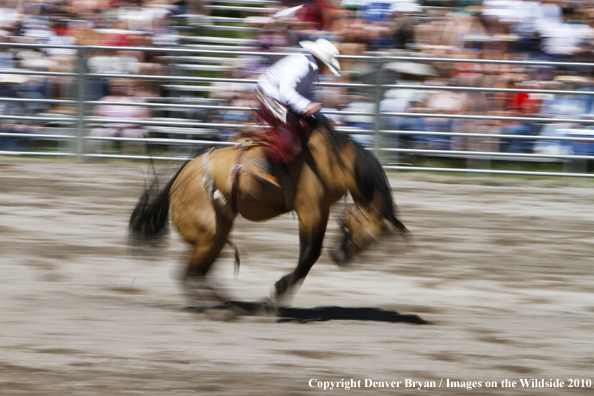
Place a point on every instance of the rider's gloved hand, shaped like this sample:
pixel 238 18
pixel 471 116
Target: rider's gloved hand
pixel 311 109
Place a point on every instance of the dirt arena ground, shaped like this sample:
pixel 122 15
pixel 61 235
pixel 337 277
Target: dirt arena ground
pixel 502 270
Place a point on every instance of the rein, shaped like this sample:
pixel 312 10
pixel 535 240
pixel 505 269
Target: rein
pixel 243 147
pixel 235 179
pixel 219 198
pixel 208 180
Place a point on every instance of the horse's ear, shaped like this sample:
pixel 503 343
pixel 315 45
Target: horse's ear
pixel 397 227
pixel 391 228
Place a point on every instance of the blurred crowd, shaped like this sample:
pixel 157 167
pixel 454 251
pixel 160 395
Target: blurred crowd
pixel 516 30
pixel 61 23
pixel 554 31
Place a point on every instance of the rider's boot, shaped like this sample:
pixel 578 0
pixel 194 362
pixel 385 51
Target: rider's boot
pixel 265 175
pixel 262 169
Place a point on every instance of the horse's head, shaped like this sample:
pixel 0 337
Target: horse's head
pixel 374 213
pixel 361 227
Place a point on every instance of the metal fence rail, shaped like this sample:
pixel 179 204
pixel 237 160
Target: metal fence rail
pixel 383 136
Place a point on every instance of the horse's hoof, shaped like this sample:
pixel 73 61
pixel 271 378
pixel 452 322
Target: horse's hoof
pixel 221 314
pixel 341 257
pixel 270 307
pixel 281 286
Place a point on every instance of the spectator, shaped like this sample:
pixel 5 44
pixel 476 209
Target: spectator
pixel 403 23
pixel 9 84
pixel 320 13
pixel 521 105
pixel 153 20
pixel 10 18
pixel 242 98
pixel 403 100
pixel 334 98
pixel 121 91
pixel 84 32
pixel 567 40
pixel 442 102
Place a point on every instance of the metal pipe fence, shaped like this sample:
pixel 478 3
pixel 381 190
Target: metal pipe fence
pixel 386 141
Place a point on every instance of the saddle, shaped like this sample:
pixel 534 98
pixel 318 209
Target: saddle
pixel 283 132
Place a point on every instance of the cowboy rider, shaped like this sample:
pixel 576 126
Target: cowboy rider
pixel 288 83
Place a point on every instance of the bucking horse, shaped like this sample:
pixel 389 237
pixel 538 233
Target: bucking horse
pixel 209 191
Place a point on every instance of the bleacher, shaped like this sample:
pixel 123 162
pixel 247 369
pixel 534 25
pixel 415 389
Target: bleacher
pixel 204 33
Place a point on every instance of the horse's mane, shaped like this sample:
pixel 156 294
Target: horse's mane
pixel 337 139
pixel 369 174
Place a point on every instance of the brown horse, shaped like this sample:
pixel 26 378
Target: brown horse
pixel 209 191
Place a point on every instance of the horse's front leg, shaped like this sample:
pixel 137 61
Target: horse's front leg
pixel 312 227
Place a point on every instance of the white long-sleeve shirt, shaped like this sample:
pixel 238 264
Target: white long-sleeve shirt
pixel 289 81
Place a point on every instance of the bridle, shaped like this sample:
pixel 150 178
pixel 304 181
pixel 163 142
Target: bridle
pixel 349 234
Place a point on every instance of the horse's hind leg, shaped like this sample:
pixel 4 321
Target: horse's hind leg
pixel 208 241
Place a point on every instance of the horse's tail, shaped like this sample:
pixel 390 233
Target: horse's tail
pixel 149 219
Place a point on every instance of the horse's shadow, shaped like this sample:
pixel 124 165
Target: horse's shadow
pixel 319 314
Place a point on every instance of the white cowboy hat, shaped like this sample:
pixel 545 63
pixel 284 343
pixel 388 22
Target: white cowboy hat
pixel 325 51
pixel 288 12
